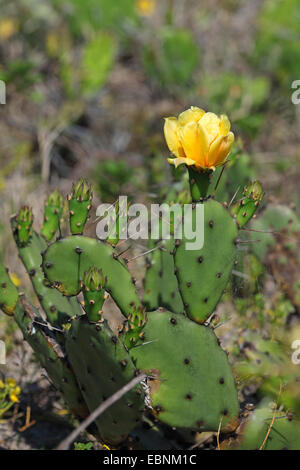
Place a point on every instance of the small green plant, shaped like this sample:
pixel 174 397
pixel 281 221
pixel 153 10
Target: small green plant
pixel 9 395
pixel 83 446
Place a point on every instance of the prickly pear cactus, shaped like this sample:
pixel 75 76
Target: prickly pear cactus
pixel 190 385
pixel 203 274
pixel 79 254
pixel 133 328
pixel 190 381
pixel 93 287
pixel 102 367
pixel 8 292
pixel 80 203
pixel 57 308
pixel 246 208
pixel 160 284
pixel 43 343
pixel 52 215
pixel 24 221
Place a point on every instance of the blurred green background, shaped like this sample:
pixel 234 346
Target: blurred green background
pixel 89 82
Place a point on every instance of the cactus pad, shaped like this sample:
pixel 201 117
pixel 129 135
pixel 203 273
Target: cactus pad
pixel 193 386
pixel 78 254
pixel 58 308
pixel 102 367
pixel 160 286
pixel 203 274
pixel 50 355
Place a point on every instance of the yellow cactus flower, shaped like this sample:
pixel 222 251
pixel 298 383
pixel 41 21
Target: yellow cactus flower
pixel 8 27
pixel 198 138
pixel 146 7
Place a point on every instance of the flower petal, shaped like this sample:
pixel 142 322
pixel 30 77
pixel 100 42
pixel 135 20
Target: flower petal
pixel 190 115
pixel 191 141
pixel 204 144
pixel 181 160
pixel 210 122
pixel 224 124
pixel 220 149
pixel 171 136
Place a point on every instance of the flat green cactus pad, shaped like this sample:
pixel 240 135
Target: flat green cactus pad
pixel 50 356
pixel 66 260
pixel 57 307
pixel 160 286
pixel 203 274
pixel 193 386
pixel 102 367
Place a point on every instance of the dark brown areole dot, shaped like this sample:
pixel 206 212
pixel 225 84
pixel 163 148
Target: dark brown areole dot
pixel 199 423
pixel 186 361
pixel 173 321
pixel 221 381
pixel 200 259
pixel 211 223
